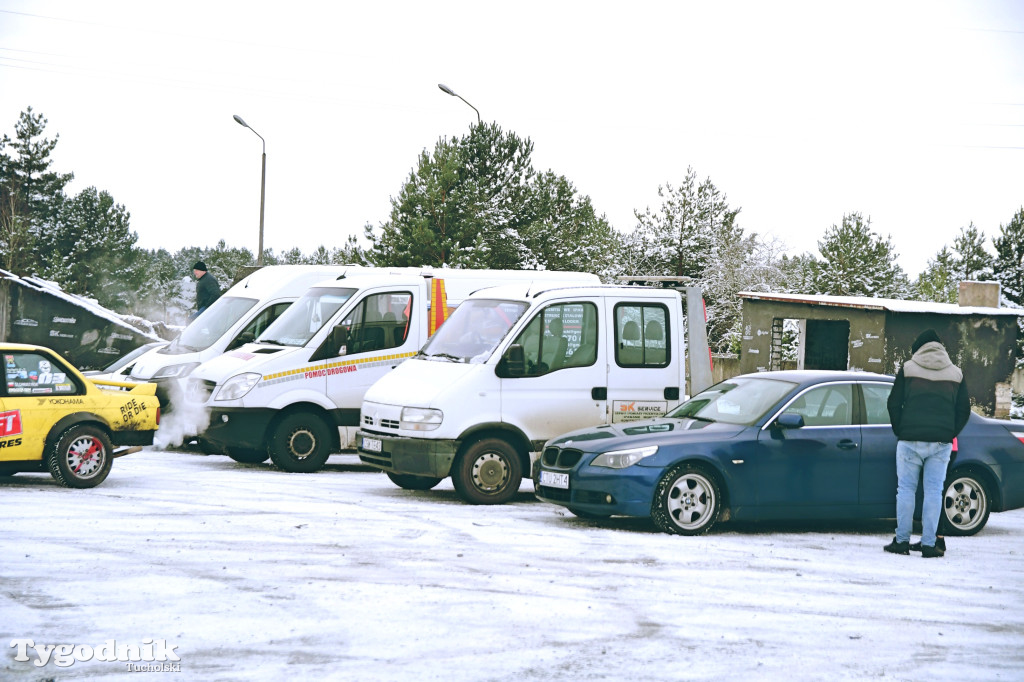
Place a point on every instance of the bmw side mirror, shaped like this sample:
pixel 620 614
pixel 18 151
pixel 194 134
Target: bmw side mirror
pixel 790 420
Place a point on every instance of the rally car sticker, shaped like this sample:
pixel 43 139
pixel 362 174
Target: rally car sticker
pixel 10 423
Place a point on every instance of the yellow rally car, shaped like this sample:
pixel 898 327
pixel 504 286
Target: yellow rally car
pixel 52 417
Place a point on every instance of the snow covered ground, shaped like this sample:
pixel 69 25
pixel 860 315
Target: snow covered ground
pixel 254 574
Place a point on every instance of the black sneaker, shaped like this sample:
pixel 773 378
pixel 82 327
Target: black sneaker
pixel 940 544
pixel 895 547
pixel 931 552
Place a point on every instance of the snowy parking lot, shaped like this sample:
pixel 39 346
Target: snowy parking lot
pixel 245 572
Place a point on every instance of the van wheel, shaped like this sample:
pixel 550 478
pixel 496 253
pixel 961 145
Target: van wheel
pixel 488 472
pixel 81 457
pixel 301 443
pixel 410 482
pixel 247 456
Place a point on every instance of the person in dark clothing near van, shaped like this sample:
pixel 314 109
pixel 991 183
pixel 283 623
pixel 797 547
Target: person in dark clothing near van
pixel 207 288
pixel 928 407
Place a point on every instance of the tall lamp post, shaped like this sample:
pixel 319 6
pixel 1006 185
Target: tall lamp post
pixel 263 184
pixel 446 89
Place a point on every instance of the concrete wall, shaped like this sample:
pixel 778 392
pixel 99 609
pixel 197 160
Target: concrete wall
pixel 866 348
pixel 983 346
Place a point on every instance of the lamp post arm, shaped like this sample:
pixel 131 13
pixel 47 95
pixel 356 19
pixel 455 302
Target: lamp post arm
pixel 473 108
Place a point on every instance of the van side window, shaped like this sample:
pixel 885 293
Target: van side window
pixel 258 325
pixel 379 322
pixel 641 335
pixel 560 336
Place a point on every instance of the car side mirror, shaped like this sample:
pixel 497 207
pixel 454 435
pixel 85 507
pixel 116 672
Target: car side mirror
pixel 513 362
pixel 241 340
pixel 333 346
pixel 790 420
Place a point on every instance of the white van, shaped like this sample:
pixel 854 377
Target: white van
pixel 234 319
pixel 294 394
pixel 513 369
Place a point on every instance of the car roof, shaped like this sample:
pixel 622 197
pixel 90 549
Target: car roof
pixel 10 345
pixel 817 376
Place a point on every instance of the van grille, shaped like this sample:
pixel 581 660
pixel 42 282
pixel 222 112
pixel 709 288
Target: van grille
pixel 384 423
pixel 199 391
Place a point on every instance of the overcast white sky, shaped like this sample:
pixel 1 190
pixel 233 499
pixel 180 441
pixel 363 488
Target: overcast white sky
pixel 911 113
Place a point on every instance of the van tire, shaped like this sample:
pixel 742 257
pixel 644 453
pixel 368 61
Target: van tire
pixel 300 443
pixel 411 482
pixel 488 471
pixel 248 455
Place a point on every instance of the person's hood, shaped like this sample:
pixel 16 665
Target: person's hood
pixel 932 356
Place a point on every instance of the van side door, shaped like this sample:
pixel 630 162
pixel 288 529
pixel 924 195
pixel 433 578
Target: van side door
pixel 372 337
pixel 551 390
pixel 646 370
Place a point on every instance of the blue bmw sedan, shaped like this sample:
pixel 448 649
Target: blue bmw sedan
pixel 773 446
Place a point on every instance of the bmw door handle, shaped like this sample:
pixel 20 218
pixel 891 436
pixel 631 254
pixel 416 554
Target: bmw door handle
pixel 846 444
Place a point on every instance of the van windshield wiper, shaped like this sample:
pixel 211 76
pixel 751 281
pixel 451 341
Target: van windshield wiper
pixel 275 342
pixel 447 356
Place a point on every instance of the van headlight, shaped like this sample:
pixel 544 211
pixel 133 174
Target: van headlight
pixel 175 371
pixel 620 459
pixel 420 419
pixel 237 386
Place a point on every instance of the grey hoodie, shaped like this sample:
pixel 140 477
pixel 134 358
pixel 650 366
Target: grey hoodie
pixel 929 399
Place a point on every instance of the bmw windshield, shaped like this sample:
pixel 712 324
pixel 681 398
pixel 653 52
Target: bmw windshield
pixel 474 330
pixel 742 401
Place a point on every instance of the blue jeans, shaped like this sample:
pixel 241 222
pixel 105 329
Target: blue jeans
pixel 911 457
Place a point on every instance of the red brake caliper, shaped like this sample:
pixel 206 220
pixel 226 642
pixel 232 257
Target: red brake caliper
pixel 89 454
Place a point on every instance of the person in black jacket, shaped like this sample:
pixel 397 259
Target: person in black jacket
pixel 928 407
pixel 207 288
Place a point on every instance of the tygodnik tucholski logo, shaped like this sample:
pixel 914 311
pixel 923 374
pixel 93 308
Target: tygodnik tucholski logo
pixel 153 655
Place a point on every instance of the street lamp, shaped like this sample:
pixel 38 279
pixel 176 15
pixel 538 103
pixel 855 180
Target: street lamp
pixel 445 88
pixel 263 184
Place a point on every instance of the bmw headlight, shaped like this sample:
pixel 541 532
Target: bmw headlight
pixel 420 419
pixel 237 386
pixel 175 371
pixel 620 459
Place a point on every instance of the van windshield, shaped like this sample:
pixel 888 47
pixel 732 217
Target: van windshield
pixel 474 330
pixel 211 324
pixel 305 317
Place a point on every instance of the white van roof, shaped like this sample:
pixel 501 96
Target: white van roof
pixel 291 280
pixel 460 284
pixel 546 290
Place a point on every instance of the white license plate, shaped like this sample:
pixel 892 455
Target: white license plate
pixel 371 444
pixel 552 479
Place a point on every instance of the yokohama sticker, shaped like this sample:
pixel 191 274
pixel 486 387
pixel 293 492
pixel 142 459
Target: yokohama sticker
pixel 10 423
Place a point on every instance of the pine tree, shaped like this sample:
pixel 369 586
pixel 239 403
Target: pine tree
pixel 477 202
pixel 87 246
pixel 1009 263
pixel 39 189
pixel 858 262
pixel 973 260
pixel 681 237
pixel 564 232
pixel 31 195
pixel 349 254
pixel 939 282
